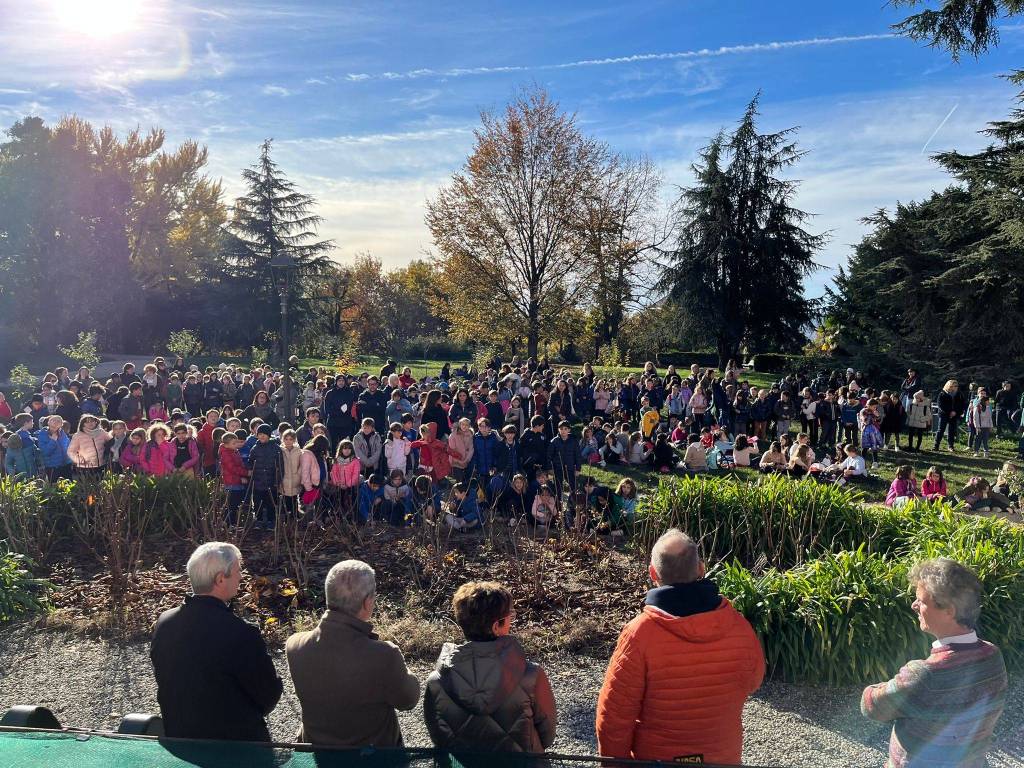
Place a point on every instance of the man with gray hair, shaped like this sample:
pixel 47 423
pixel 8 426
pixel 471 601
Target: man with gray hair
pixel 349 682
pixel 215 679
pixel 682 669
pixel 943 708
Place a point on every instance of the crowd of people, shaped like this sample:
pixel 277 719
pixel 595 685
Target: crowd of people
pixel 674 688
pixel 509 441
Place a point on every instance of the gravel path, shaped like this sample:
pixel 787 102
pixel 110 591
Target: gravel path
pixel 91 683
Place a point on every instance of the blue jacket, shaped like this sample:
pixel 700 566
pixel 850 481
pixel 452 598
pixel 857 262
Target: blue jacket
pixel 468 509
pixel 366 498
pixel 484 450
pixel 54 450
pixel 92 407
pixel 22 461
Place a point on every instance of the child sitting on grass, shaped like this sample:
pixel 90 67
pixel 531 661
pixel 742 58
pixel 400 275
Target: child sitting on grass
pixel 904 487
pixel 462 512
pixel 773 460
pixel 934 486
pixel 695 459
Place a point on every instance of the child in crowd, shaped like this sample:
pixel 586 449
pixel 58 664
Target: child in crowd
pixel 234 474
pixel 462 512
pixel 695 459
pixel 743 451
pixel 773 460
pixel 934 486
pixel 545 509
pixel 368 447
pixel 903 488
pixel 371 497
pixel 397 499
pixel 396 450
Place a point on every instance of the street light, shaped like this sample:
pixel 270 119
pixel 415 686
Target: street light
pixel 281 269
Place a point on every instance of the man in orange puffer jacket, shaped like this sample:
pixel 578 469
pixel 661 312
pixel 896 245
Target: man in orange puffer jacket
pixel 682 669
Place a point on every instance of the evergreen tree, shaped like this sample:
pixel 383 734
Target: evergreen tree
pixel 959 26
pixel 742 253
pixel 929 281
pixel 272 219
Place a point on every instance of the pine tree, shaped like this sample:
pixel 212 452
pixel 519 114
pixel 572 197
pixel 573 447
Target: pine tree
pixel 742 253
pixel 959 26
pixel 273 219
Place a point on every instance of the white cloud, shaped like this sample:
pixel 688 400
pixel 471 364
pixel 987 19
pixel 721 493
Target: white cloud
pixel 276 90
pixel 703 53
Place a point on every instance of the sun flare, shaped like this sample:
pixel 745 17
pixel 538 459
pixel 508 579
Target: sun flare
pixel 97 18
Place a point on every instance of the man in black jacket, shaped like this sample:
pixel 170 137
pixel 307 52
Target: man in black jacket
pixel 215 679
pixel 372 404
pixel 533 447
pixel 338 415
pixel 566 460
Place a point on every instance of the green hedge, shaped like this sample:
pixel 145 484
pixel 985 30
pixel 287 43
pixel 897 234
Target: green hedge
pixel 686 359
pixel 823 578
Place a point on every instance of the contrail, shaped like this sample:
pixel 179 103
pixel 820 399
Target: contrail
pixel 936 133
pixel 703 53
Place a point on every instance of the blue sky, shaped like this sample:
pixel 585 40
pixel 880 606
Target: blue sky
pixel 372 105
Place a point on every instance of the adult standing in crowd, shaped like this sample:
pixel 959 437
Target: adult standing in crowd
pixel 373 404
pixel 485 696
pixel 338 403
pixel 349 683
pixel 688 639
pixel 943 708
pixel 952 404
pixel 215 679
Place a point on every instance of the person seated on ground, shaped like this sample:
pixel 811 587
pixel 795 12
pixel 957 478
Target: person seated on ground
pixel 397 504
pixel 979 496
pixel 800 462
pixel 348 682
pixel 484 695
pixel 611 452
pixel 774 459
pixel 695 459
pixel 743 451
pixel 512 503
pixel 663 457
pixel 637 452
pixel 803 439
pixel 904 487
pixel 934 486
pixel 214 677
pixel 687 638
pixel 851 468
pixel 943 708
pixel 462 511
pixel 721 441
pixel 544 510
pixel 1003 484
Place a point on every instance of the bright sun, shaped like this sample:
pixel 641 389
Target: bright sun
pixel 97 18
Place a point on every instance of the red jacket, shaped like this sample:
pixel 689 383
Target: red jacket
pixel 435 454
pixel 676 685
pixel 232 468
pixel 206 447
pixel 157 460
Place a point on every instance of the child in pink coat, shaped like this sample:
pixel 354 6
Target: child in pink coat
pixel 157 456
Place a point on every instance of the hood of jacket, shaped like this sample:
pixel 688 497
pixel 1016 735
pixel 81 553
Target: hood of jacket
pixel 694 612
pixel 480 676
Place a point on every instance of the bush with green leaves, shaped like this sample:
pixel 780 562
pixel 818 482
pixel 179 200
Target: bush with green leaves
pixel 184 343
pixel 83 351
pixel 20 591
pixel 822 577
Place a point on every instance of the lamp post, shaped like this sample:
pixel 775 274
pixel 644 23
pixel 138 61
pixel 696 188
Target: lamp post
pixel 281 269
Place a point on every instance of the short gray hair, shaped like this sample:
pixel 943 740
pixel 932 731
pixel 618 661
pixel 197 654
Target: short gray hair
pixel 210 560
pixel 951 585
pixel 348 585
pixel 675 558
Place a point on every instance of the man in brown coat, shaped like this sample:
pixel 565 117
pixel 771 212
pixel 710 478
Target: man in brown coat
pixel 348 682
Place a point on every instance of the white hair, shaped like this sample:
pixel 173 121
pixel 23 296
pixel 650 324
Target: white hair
pixel 951 585
pixel 212 559
pixel 675 558
pixel 348 585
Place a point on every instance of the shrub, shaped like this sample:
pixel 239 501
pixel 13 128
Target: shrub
pixel 435 348
pixel 83 351
pixel 184 343
pixel 823 578
pixel 23 384
pixel 686 359
pixel 20 593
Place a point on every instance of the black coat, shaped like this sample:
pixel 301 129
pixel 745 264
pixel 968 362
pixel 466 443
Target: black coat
pixel 436 415
pixel 372 405
pixel 338 421
pixel 266 465
pixel 215 679
pixel 565 456
pixel 533 452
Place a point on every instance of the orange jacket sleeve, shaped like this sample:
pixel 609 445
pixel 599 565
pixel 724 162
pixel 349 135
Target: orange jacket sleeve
pixel 622 697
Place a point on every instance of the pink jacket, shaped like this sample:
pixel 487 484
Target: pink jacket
pixel 309 471
pixel 157 460
pixel 901 488
pixel 346 475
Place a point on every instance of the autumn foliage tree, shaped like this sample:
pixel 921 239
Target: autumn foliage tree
pixel 509 248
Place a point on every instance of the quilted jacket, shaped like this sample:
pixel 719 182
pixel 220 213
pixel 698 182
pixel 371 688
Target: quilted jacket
pixel 486 697
pixel 678 679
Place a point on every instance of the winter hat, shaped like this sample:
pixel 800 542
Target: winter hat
pixel 265 429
